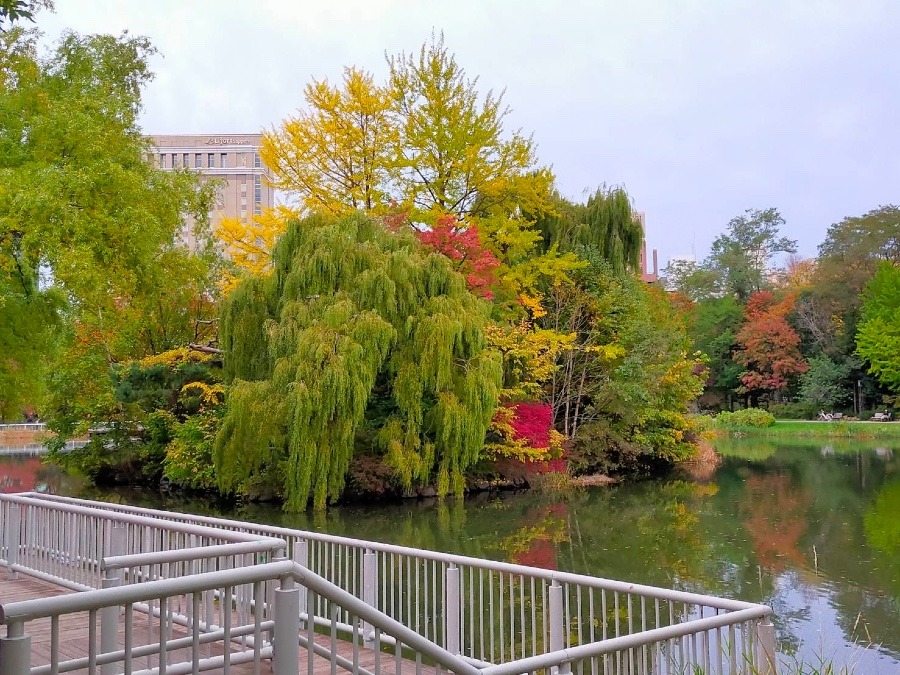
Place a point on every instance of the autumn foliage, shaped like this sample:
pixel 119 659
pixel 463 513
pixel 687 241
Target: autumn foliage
pixel 769 345
pixel 462 244
pixel 532 427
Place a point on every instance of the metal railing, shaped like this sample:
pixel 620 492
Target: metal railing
pixel 499 617
pixel 66 544
pixel 272 630
pixel 24 426
pixel 35 449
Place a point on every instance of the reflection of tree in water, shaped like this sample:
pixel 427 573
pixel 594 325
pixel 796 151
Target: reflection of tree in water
pixel 882 529
pixel 882 521
pixel 774 512
pixel 537 535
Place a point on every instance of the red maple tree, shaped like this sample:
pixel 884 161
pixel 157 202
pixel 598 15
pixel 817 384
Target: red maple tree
pixel 769 344
pixel 461 243
pixel 532 422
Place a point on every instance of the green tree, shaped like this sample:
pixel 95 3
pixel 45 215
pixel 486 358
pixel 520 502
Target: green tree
pixel 741 256
pixel 624 385
pixel 88 228
pixel 714 331
pixel 606 222
pixel 365 330
pixel 16 10
pixel 854 249
pixel 693 280
pixel 29 320
pixel 822 386
pixel 878 337
pixel 849 257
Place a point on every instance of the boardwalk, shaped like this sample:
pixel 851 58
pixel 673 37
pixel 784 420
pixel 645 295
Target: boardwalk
pixel 222 583
pixel 74 633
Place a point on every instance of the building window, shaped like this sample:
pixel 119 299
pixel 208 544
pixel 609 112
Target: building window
pixel 185 160
pixel 224 158
pixel 211 159
pixel 256 161
pixel 162 160
pixel 198 160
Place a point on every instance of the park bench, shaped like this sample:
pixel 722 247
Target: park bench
pixel 881 417
pixel 837 416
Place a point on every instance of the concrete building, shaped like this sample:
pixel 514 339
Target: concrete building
pixel 231 159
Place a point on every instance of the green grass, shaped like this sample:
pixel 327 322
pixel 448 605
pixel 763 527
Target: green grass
pixel 805 429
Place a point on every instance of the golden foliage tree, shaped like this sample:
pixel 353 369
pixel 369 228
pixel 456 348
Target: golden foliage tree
pixel 336 156
pixel 454 154
pixel 249 245
pixel 426 144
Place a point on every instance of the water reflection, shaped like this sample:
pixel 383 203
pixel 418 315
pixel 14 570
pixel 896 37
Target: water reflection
pixel 812 530
pixel 28 472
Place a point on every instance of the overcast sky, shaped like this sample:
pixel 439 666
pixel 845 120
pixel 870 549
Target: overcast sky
pixel 701 109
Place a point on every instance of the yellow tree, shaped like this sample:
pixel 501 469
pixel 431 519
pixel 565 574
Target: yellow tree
pixel 335 156
pixel 248 246
pixel 453 154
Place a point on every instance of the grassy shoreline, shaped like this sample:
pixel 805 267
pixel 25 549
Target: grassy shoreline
pixel 814 429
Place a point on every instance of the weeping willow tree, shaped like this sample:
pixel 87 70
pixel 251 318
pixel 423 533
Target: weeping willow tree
pixel 606 223
pixel 353 313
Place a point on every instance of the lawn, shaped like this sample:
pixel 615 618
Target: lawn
pixel 810 429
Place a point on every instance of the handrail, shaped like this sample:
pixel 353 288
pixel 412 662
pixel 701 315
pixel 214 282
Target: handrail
pixel 27 498
pixel 550 575
pixel 116 562
pixel 29 610
pixel 621 643
pixel 25 426
pixel 41 608
pixel 347 573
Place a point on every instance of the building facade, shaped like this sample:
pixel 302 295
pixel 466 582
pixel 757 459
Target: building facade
pixel 232 160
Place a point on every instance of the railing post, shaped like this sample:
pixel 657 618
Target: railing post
pixel 11 536
pixel 768 662
pixel 15 650
pixel 557 625
pixel 301 557
pixel 370 589
pixel 286 656
pixel 451 611
pixel 109 616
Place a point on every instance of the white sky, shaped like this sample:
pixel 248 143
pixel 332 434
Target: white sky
pixel 700 109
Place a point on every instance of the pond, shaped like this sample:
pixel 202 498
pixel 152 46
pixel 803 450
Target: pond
pixel 812 530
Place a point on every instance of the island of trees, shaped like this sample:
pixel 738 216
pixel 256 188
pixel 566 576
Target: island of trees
pixel 430 313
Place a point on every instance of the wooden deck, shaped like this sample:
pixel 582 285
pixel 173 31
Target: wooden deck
pixel 75 637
